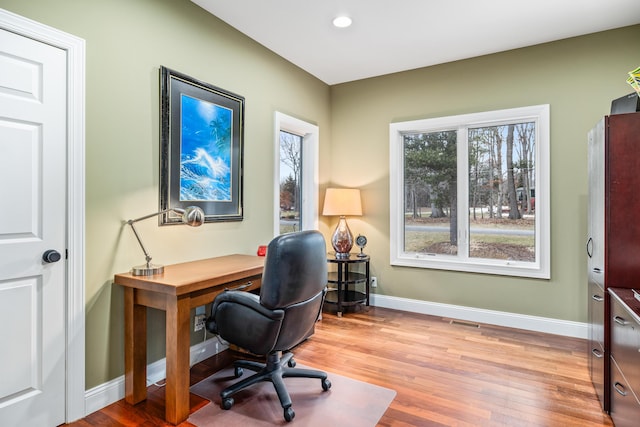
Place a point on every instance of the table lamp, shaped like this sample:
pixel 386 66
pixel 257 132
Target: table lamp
pixel 192 216
pixel 342 202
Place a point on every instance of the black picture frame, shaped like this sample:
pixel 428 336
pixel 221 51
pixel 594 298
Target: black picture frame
pixel 201 148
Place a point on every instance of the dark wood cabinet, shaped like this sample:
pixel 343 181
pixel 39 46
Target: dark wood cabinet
pixel 613 242
pixel 625 358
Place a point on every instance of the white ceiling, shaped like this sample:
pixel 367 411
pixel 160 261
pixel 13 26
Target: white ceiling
pixel 389 36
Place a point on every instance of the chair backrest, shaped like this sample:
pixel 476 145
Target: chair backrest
pixel 294 280
pixel 295 269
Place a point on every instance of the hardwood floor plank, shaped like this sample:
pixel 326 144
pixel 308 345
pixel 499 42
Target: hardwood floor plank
pixel 477 369
pixel 445 373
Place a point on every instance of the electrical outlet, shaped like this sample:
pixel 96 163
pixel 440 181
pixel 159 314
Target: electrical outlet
pixel 374 282
pixel 198 323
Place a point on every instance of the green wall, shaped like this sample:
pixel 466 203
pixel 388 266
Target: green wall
pixel 127 42
pixel 578 77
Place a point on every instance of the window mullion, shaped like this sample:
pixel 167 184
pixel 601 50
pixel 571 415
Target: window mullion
pixel 463 193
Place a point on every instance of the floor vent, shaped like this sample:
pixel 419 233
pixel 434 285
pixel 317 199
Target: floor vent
pixel 464 323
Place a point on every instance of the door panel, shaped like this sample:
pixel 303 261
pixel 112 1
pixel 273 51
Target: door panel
pixel 32 220
pixel 21 148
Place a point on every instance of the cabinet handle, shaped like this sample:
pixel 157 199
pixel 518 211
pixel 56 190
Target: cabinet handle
pixel 590 247
pixel 597 297
pixel 620 388
pixel 597 353
pixel 620 320
pixel 597 270
pixel 240 287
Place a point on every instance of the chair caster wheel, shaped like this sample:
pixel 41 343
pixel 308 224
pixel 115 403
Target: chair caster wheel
pixel 227 403
pixel 289 414
pixel 291 363
pixel 238 371
pixel 326 384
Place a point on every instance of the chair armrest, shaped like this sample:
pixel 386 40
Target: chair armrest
pixel 238 317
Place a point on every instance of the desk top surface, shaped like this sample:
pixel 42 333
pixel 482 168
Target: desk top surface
pixel 186 277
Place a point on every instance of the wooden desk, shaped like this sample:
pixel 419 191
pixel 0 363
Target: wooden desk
pixel 179 289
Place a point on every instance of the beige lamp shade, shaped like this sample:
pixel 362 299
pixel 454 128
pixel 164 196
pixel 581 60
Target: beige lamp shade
pixel 342 202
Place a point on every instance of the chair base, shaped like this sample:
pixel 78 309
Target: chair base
pixel 277 368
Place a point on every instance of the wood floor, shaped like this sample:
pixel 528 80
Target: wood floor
pixel 445 373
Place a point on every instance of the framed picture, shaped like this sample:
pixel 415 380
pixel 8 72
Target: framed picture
pixel 202 133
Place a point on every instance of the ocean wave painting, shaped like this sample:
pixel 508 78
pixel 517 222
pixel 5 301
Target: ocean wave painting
pixel 205 151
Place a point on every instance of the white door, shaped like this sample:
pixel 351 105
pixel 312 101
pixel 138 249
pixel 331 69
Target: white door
pixel 33 170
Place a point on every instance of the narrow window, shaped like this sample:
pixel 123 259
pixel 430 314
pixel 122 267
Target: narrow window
pixel 290 182
pixel 296 175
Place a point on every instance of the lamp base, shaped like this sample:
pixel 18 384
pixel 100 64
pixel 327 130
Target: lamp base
pixel 147 269
pixel 343 255
pixel 342 239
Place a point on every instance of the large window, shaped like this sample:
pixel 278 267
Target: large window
pixel 296 168
pixel 471 192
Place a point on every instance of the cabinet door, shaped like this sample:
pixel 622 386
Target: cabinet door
pixel 625 343
pixel 624 406
pixel 622 177
pixel 596 205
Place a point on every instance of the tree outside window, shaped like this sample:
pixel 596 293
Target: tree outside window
pixel 290 182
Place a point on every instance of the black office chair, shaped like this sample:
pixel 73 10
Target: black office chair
pixel 283 315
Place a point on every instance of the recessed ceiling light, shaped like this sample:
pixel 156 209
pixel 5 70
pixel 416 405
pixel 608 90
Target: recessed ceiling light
pixel 342 21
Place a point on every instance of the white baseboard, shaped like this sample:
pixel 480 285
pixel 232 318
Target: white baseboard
pixel 112 391
pixel 478 315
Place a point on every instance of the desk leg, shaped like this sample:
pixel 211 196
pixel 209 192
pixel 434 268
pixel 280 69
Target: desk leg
pixel 177 344
pixel 135 349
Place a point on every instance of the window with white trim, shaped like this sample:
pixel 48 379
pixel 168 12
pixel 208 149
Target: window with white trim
pixel 471 192
pixel 296 173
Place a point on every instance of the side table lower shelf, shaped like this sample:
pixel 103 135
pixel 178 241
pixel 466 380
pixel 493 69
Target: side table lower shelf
pixel 350 298
pixel 348 285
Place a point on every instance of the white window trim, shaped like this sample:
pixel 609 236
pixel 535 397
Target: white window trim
pixel 542 267
pixel 310 176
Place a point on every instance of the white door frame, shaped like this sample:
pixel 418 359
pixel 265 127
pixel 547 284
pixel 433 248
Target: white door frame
pixel 75 221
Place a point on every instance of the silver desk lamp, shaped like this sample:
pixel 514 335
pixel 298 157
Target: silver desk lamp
pixel 192 216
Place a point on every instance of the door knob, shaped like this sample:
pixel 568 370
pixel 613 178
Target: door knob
pixel 51 256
